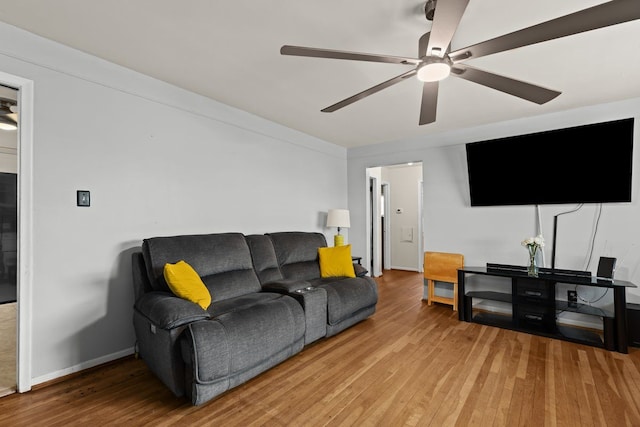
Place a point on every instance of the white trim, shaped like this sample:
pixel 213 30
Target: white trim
pixel 84 365
pixel 398 267
pixel 368 260
pixel 420 231
pixel 375 226
pixel 25 227
pixel 387 226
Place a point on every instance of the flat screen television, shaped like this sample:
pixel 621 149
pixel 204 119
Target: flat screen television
pixel 583 164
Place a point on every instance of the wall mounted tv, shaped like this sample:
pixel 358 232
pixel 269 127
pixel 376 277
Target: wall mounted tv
pixel 583 164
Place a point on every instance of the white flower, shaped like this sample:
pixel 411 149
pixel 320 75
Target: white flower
pixel 533 243
pixel 527 242
pixel 539 240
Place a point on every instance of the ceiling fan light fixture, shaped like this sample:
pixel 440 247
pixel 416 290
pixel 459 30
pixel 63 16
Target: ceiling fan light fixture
pixel 434 69
pixel 6 123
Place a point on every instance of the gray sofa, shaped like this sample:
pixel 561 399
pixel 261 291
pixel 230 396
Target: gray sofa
pixel 268 302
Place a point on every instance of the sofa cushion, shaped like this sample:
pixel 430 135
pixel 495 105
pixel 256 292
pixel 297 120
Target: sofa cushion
pixel 346 296
pixel 239 340
pixel 241 302
pixel 222 260
pixel 185 283
pixel 336 262
pixel 297 253
pixel 264 258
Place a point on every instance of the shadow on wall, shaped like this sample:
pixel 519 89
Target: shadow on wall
pixel 112 336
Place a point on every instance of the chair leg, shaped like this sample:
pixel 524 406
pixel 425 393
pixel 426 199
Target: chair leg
pixel 431 291
pixel 455 297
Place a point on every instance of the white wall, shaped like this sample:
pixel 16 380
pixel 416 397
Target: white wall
pixel 493 234
pixel 158 160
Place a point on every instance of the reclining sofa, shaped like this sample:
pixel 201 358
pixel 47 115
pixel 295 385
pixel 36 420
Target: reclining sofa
pixel 268 300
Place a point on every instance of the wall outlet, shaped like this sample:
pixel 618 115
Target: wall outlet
pixel 572 298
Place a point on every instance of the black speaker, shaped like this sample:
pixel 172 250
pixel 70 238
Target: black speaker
pixel 633 324
pixel 606 268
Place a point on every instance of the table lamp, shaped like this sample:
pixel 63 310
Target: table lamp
pixel 338 218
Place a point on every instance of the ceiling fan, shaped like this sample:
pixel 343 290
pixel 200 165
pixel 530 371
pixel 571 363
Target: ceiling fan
pixel 8 110
pixel 436 61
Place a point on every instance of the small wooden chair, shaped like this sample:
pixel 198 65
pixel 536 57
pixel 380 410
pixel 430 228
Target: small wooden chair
pixel 442 267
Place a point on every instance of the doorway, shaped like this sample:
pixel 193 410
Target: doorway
pixel 8 239
pixel 23 162
pixel 394 217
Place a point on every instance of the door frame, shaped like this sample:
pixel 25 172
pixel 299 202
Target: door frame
pixel 420 225
pixel 385 188
pixel 25 228
pixel 373 226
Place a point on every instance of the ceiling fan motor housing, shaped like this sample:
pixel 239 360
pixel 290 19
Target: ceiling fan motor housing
pixel 430 9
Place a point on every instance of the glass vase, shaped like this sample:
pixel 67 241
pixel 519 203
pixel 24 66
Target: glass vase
pixel 532 269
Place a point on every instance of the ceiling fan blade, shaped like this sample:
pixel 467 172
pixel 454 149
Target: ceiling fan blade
pixel 370 91
pixel 518 88
pixel 448 14
pixel 429 103
pixel 600 16
pixel 340 54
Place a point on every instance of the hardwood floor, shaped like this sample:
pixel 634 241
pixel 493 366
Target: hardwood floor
pixel 7 348
pixel 409 364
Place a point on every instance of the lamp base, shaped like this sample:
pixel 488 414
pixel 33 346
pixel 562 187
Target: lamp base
pixel 338 240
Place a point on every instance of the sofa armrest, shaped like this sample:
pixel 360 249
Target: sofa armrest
pixel 285 285
pixel 168 311
pixel 359 270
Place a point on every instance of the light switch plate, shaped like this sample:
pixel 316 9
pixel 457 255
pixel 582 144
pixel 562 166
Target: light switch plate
pixel 83 198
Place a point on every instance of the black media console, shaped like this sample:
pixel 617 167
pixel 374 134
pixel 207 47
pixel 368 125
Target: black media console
pixel 534 306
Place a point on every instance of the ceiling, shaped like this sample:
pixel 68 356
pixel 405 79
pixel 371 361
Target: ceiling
pixel 230 51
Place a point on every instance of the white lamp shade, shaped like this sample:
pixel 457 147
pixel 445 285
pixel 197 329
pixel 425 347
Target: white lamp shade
pixel 338 218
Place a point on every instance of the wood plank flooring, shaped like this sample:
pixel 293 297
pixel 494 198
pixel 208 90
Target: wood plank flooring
pixel 7 348
pixel 407 365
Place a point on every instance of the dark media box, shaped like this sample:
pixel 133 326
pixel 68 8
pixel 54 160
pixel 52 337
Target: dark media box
pixel 633 324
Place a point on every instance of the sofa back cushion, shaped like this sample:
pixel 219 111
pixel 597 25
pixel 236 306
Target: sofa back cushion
pixel 264 258
pixel 223 261
pixel 297 253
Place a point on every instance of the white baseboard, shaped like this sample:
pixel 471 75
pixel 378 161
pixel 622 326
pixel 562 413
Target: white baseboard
pixel 393 267
pixel 82 366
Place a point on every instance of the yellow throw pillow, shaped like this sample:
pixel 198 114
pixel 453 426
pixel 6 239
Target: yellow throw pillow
pixel 336 262
pixel 185 283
